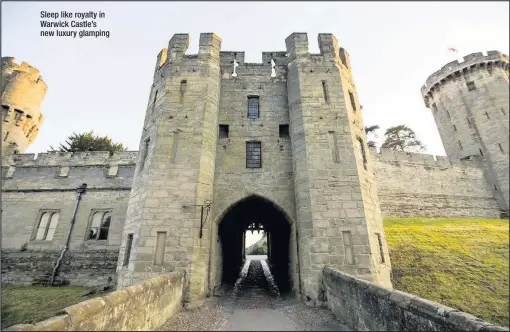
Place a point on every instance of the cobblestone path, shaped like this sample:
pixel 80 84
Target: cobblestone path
pixel 254 304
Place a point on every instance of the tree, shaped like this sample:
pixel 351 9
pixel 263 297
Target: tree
pixel 372 130
pixel 89 142
pixel 402 138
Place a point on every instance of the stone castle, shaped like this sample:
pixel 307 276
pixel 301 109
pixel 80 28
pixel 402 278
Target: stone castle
pixel 227 145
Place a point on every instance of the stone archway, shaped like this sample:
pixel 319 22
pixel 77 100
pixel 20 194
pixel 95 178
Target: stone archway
pixel 227 242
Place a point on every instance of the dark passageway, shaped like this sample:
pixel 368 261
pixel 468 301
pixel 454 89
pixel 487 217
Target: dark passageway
pixel 232 231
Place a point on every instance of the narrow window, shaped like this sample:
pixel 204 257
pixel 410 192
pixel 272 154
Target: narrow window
pixel 46 226
pixel 223 131
pixel 501 148
pixel 448 114
pixel 284 131
pixel 481 153
pixel 469 123
pixel 6 112
pixel 127 253
pixel 253 107
pixel 325 91
pixel 471 86
pixel 381 252
pixel 361 150
pixel 175 145
pixel 6 135
pixel 460 145
pixel 487 115
pixel 18 115
pixel 253 155
pixel 333 146
pixel 434 107
pixel 495 188
pixel 349 255
pixel 353 102
pixel 159 256
pixel 503 111
pixel 145 152
pixel 182 90
pixel 100 225
pixel 454 128
pixel 154 102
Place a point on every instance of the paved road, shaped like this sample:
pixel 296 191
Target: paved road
pixel 254 304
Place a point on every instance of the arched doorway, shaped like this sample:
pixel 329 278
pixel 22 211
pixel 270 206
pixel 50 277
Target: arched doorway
pixel 231 230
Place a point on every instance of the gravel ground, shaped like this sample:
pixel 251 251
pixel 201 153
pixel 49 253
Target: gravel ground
pixel 252 295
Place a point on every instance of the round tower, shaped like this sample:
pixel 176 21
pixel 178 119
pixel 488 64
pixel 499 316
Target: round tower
pixel 469 101
pixel 23 91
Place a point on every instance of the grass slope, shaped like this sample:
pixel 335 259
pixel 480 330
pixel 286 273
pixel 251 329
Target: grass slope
pixel 461 263
pixel 29 305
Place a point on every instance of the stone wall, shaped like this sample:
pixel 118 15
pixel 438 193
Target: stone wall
pixel 364 306
pixel 48 183
pixel 421 185
pixel 141 307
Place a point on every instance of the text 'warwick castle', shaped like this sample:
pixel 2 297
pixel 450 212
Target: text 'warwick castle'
pixel 226 144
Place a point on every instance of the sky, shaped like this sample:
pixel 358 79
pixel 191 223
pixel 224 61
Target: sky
pixel 103 84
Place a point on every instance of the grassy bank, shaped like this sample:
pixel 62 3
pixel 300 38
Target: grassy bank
pixel 461 263
pixel 28 305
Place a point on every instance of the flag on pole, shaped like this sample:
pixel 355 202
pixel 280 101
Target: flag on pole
pixel 454 50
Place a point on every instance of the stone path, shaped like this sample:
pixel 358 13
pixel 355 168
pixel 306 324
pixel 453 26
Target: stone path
pixel 254 304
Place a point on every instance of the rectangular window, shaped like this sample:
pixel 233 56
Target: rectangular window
pixel 471 86
pixel 469 123
pixel 253 107
pixel 353 102
pixel 454 128
pixel 349 255
pixel 361 150
pixel 460 145
pixel 284 131
pixel 175 145
pixel 253 155
pixel 154 102
pixel 46 226
pixel 501 148
pixel 99 225
pixel 18 115
pixel 159 255
pixel 448 114
pixel 481 153
pixel 5 112
pixel 333 146
pixel 127 253
pixel 381 252
pixel 145 152
pixel 182 90
pixel 223 133
pixel 325 91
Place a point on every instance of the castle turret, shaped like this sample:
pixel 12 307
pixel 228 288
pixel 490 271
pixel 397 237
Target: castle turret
pixel 23 91
pixel 469 102
pixel 337 207
pixel 175 169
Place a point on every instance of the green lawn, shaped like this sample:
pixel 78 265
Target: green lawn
pixel 28 305
pixel 461 263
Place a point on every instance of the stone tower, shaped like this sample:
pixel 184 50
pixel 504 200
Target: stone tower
pixel 23 91
pixel 469 101
pixel 175 167
pixel 337 207
pixel 327 191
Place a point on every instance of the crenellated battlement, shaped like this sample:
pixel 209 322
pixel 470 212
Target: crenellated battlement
pixel 388 155
pixel 24 70
pixel 210 44
pixel 471 62
pixel 64 159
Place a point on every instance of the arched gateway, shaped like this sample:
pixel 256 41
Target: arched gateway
pixel 290 127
